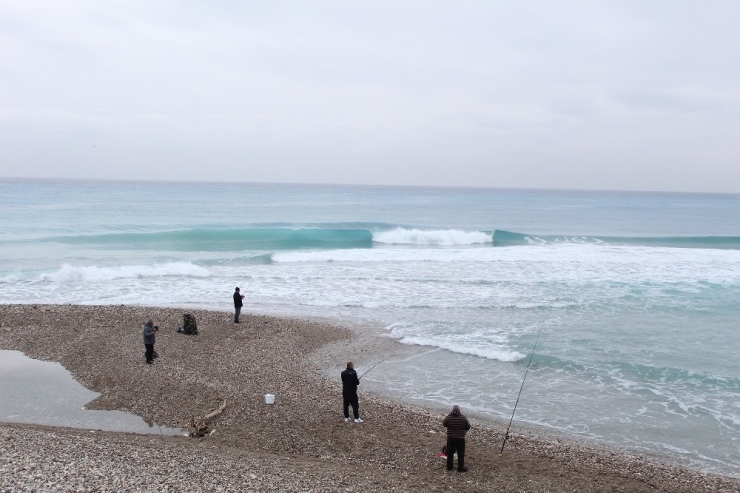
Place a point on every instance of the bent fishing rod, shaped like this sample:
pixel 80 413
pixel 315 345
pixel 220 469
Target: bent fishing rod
pixel 376 364
pixel 506 436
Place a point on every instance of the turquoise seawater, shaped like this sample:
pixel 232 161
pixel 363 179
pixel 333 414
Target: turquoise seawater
pixel 635 296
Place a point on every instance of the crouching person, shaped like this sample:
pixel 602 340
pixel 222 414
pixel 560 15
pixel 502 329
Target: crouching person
pixel 457 426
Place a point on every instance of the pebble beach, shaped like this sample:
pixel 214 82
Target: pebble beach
pixel 301 443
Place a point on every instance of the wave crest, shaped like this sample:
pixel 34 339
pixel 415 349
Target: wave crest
pixel 447 237
pixel 498 354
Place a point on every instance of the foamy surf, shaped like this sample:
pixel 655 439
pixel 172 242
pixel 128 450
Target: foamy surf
pixel 93 273
pixel 448 237
pixel 497 354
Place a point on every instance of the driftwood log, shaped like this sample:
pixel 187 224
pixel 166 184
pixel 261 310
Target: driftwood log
pixel 201 427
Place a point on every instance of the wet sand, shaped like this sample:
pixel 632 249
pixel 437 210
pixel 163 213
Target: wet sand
pixel 301 443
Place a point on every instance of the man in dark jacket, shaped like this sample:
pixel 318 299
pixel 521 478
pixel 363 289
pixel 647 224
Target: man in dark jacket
pixel 457 426
pixel 349 392
pixel 238 297
pixel 149 330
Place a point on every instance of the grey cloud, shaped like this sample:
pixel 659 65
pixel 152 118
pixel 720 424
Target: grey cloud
pixel 628 95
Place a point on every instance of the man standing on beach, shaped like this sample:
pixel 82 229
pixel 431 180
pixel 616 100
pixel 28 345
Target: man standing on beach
pixel 238 297
pixel 349 392
pixel 149 330
pixel 457 426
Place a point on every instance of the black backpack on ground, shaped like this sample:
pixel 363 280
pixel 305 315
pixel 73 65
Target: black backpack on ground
pixel 189 326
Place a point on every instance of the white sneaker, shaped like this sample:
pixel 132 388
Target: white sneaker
pixel 358 420
pixel 346 420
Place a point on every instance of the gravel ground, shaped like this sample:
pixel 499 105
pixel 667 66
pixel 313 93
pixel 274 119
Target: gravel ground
pixel 299 444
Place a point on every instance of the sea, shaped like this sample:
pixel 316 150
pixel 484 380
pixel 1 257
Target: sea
pixel 632 299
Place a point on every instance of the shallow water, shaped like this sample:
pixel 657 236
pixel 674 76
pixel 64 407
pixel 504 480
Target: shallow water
pixel 45 393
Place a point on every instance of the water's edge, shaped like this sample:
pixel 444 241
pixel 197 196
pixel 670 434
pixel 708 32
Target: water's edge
pixel 370 344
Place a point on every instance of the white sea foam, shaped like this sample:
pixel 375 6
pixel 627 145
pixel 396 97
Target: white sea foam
pixel 448 237
pixel 489 345
pixel 93 273
pixel 557 262
pixel 498 354
pixel 389 254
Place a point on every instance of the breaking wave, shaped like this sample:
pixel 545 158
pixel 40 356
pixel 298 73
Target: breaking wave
pixel 281 238
pixel 490 352
pixel 69 272
pixel 447 237
pixel 359 235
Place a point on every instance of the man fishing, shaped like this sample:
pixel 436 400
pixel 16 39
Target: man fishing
pixel 149 330
pixel 457 426
pixel 238 303
pixel 350 381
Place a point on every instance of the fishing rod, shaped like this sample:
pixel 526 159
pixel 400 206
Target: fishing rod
pixel 165 319
pixel 245 288
pixel 506 436
pixel 376 364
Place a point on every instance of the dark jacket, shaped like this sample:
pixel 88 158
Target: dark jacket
pixel 457 425
pixel 349 381
pixel 237 300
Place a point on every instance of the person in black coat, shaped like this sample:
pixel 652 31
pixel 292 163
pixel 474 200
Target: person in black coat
pixel 238 297
pixel 457 426
pixel 350 381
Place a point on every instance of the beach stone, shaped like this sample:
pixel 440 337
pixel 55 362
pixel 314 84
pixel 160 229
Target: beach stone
pixel 299 444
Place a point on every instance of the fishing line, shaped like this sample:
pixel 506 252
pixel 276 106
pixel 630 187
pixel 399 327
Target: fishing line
pixel 165 319
pixel 506 436
pixel 376 364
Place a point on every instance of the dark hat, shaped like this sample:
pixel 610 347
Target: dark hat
pixel 237 289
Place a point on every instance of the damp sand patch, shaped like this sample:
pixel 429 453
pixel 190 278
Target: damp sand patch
pixel 45 393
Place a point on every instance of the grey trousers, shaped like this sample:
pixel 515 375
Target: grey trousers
pixel 237 311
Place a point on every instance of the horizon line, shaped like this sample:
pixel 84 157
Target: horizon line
pixel 368 185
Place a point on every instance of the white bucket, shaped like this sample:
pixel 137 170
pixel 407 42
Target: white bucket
pixel 269 399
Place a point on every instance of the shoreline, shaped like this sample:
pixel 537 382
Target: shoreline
pixel 394 449
pixel 372 340
pixel 525 430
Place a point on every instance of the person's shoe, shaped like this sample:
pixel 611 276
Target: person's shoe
pixel 237 322
pixel 346 420
pixel 449 468
pixel 464 469
pixel 359 420
pixel 150 362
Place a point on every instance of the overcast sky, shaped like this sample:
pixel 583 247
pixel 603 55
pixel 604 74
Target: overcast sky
pixel 573 95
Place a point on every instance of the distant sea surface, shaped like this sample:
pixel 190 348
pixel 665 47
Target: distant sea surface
pixel 635 296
